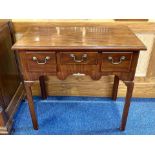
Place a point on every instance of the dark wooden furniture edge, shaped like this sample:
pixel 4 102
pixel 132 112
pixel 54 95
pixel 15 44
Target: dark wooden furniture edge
pixel 8 114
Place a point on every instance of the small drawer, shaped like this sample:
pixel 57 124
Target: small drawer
pixel 41 61
pixel 88 58
pixel 116 61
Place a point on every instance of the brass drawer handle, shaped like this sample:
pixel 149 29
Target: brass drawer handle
pixel 83 58
pixel 78 74
pixel 43 62
pixel 122 58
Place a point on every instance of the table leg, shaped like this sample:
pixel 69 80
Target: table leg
pixel 115 87
pixel 3 117
pixel 43 87
pixel 31 105
pixel 130 86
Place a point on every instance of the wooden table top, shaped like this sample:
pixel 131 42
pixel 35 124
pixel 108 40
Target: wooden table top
pixel 104 38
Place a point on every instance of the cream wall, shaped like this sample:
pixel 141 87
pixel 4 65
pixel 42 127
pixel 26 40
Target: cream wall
pixel 143 62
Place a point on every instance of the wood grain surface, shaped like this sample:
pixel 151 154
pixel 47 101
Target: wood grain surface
pixel 94 37
pixel 151 66
pixel 85 86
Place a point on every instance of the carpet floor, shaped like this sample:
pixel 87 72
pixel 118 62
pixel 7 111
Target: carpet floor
pixel 85 116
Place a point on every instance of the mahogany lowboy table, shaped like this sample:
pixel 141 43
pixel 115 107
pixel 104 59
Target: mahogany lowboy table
pixel 94 51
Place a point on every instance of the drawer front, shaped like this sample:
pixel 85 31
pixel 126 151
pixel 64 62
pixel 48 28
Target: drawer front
pixel 116 61
pixel 41 61
pixel 88 58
